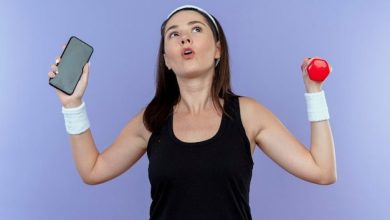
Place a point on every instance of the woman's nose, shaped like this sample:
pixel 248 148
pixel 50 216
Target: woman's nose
pixel 185 39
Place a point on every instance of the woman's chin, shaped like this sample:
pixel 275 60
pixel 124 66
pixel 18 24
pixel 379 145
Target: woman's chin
pixel 192 72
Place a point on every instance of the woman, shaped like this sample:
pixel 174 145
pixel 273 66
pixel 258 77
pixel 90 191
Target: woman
pixel 199 136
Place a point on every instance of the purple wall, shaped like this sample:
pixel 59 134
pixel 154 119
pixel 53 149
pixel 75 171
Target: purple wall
pixel 267 39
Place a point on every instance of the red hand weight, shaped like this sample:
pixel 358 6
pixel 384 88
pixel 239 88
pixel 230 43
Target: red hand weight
pixel 318 69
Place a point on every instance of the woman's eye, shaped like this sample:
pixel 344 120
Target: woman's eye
pixel 173 34
pixel 197 29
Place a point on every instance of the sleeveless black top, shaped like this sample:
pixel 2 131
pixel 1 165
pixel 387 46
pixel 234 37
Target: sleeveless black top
pixel 206 180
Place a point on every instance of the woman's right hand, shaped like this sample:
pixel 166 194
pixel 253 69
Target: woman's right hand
pixel 74 100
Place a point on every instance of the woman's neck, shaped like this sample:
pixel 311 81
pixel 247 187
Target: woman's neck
pixel 195 95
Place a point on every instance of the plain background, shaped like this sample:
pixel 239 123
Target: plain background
pixel 268 41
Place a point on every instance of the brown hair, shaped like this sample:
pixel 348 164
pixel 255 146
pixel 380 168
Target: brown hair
pixel 167 89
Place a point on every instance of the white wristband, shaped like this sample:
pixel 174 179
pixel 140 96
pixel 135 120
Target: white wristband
pixel 317 109
pixel 76 119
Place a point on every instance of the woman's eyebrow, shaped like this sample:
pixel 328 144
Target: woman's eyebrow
pixel 189 23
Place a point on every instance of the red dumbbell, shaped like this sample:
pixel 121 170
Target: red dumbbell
pixel 318 69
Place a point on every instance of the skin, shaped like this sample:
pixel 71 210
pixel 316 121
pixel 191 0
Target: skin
pixel 195 118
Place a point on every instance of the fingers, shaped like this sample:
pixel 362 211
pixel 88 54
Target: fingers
pixel 54 71
pixel 307 61
pixel 54 67
pixel 58 59
pixel 51 75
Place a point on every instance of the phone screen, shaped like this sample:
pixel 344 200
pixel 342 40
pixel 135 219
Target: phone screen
pixel 75 55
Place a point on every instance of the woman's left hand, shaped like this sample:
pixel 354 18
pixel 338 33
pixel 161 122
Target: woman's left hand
pixel 311 85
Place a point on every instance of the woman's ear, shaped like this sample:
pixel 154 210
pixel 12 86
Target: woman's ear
pixel 218 50
pixel 166 62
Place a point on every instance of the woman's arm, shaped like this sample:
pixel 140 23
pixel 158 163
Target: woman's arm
pixel 316 164
pixel 93 167
pixel 127 149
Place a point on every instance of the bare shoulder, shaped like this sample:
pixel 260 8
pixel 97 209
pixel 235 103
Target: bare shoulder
pixel 248 103
pixel 254 115
pixel 136 127
pixel 251 108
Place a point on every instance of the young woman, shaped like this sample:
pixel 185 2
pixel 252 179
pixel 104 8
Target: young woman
pixel 199 136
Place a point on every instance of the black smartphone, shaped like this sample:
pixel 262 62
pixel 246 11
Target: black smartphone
pixel 70 68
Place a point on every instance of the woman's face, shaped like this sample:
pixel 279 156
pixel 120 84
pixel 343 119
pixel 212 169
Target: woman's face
pixel 189 45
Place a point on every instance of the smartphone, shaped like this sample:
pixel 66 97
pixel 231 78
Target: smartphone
pixel 70 68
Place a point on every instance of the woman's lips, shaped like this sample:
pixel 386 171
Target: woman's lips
pixel 187 53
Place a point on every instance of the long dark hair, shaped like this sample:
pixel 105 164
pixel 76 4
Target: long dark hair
pixel 167 89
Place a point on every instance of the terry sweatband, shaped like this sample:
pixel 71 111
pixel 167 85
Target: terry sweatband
pixel 76 119
pixel 198 9
pixel 317 109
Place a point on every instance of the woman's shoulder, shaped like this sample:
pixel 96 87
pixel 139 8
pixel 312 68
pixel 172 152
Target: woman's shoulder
pixel 137 125
pixel 253 113
pixel 249 104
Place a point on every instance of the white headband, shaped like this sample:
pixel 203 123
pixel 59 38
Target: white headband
pixel 198 9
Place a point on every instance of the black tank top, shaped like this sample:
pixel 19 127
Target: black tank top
pixel 206 180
